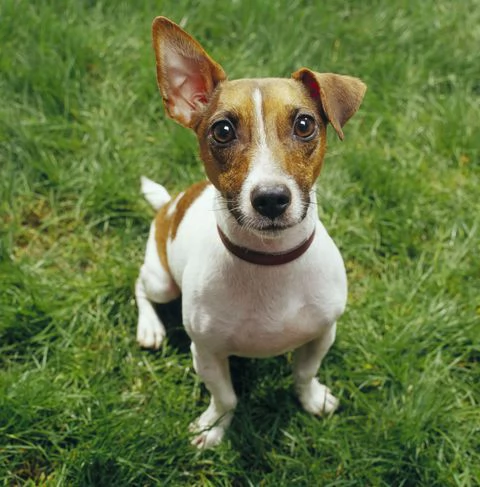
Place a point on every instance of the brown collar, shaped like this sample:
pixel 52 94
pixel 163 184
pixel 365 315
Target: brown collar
pixel 262 258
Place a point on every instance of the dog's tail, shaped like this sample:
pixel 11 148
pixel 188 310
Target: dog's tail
pixel 154 193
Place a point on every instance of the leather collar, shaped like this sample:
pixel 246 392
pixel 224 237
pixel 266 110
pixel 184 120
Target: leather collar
pixel 263 258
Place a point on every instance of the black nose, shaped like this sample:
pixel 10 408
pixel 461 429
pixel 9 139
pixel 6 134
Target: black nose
pixel 271 201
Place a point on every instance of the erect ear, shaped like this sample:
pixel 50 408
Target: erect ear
pixel 338 96
pixel 186 75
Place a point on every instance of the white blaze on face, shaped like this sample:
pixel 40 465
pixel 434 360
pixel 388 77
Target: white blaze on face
pixel 264 170
pixel 260 126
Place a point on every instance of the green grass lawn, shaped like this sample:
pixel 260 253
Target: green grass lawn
pixel 81 119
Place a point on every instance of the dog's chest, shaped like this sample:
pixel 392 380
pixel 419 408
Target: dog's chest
pixel 264 312
pixel 263 332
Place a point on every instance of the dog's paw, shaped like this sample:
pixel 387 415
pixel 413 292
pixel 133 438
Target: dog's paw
pixel 210 427
pixel 317 399
pixel 150 331
pixel 209 438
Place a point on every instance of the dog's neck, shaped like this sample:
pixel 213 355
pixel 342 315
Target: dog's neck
pixel 270 243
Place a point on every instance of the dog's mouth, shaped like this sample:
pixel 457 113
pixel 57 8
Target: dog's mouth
pixel 271 231
pixel 262 225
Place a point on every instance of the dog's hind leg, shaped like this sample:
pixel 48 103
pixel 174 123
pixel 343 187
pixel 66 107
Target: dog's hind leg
pixel 315 397
pixel 154 285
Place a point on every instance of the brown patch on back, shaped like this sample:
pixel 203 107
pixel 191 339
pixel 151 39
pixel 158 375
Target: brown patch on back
pixel 190 195
pixel 166 225
pixel 162 224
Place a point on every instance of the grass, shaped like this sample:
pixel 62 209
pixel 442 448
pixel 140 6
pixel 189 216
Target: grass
pixel 81 120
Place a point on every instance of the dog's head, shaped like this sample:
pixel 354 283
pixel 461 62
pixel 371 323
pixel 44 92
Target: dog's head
pixel 262 141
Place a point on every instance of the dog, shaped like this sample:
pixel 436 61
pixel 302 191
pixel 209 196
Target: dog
pixel 258 273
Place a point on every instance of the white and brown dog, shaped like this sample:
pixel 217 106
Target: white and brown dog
pixel 258 272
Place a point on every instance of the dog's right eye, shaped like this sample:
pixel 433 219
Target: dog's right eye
pixel 223 132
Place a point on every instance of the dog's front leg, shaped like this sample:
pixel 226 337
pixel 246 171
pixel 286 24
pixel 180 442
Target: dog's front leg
pixel 315 397
pixel 215 373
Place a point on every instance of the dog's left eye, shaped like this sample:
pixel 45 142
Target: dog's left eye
pixel 305 127
pixel 223 132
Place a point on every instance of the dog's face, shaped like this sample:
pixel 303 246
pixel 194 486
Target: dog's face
pixel 262 141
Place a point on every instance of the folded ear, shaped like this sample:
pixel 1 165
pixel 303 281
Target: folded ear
pixel 186 75
pixel 339 96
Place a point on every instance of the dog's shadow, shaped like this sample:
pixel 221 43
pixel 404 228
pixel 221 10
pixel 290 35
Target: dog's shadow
pixel 171 316
pixel 263 387
pixel 267 404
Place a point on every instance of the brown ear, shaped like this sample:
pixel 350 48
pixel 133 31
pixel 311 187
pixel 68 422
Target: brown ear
pixel 339 96
pixel 186 75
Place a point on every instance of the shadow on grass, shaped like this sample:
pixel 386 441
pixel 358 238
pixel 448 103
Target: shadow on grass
pixel 255 441
pixel 171 316
pixel 267 404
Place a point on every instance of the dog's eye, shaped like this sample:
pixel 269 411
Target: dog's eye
pixel 223 132
pixel 305 127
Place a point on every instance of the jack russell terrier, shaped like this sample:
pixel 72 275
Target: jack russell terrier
pixel 258 272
